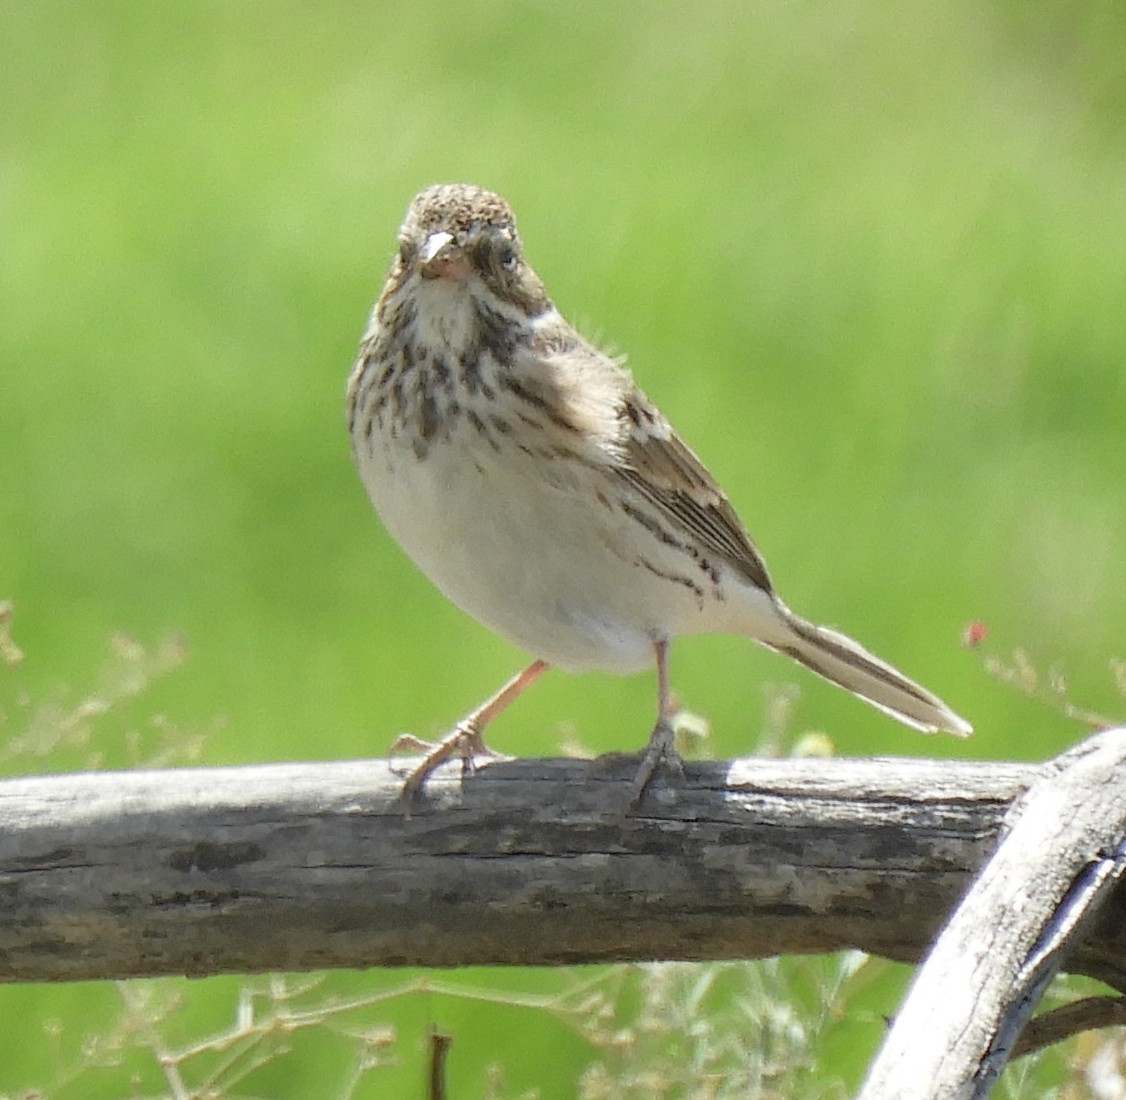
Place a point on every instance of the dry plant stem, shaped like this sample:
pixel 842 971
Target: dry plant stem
pixel 10 653
pixel 1049 688
pixel 1035 901
pixel 467 737
pixel 440 1044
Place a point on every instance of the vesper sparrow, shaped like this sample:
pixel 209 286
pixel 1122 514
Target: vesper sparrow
pixel 536 485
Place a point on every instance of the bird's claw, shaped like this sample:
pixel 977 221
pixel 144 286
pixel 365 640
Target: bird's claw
pixel 661 747
pixel 464 741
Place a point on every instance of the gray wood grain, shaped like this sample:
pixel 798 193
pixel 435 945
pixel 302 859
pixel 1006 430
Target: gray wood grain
pixel 531 862
pixel 1061 856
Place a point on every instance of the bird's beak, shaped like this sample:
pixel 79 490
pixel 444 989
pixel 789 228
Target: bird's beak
pixel 441 258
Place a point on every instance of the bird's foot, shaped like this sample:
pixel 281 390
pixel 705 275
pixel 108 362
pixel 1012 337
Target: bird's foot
pixel 464 741
pixel 661 747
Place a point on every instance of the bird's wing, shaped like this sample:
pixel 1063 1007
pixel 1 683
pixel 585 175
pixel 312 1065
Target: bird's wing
pixel 660 467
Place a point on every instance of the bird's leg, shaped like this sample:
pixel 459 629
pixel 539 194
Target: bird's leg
pixel 465 739
pixel 662 741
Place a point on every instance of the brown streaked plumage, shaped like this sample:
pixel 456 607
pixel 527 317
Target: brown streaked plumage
pixel 545 494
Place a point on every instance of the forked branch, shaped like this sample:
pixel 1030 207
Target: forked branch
pixel 1061 857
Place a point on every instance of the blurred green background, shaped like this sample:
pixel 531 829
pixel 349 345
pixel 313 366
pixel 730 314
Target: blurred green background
pixel 868 258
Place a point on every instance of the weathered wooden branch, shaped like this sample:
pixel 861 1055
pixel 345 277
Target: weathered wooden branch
pixel 1062 853
pixel 1057 1024
pixel 529 862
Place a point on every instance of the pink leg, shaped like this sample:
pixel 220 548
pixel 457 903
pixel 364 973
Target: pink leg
pixel 662 741
pixel 465 739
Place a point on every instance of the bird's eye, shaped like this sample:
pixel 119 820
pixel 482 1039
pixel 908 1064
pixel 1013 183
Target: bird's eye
pixel 506 257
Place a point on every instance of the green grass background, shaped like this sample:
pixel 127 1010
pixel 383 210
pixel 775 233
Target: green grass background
pixel 869 259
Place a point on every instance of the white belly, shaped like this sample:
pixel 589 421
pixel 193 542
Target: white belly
pixel 545 566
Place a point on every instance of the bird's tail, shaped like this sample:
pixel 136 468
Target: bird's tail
pixel 848 664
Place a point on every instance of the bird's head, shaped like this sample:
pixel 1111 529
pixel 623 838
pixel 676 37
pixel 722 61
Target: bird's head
pixel 464 238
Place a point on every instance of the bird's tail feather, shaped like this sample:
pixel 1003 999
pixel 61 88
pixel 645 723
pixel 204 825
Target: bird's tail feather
pixel 848 664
